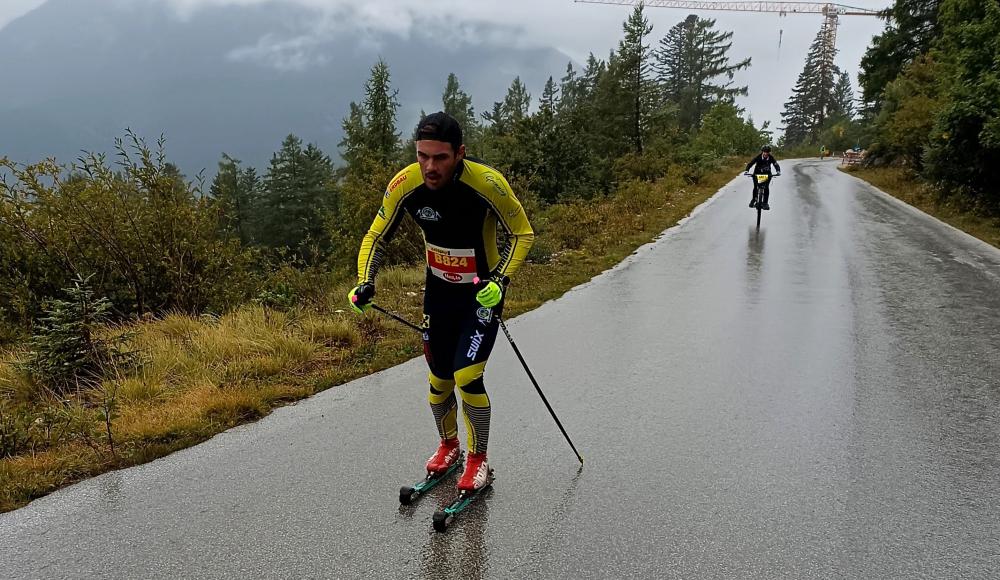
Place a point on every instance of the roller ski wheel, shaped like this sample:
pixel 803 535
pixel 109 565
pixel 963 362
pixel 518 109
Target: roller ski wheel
pixel 445 517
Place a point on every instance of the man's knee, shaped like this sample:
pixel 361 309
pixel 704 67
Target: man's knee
pixel 441 389
pixel 470 385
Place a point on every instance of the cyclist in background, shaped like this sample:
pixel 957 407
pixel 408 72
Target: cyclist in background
pixel 762 166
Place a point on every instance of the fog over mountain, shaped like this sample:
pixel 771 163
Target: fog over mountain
pixel 233 78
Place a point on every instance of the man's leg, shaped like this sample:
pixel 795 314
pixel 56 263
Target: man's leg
pixel 474 346
pixel 439 344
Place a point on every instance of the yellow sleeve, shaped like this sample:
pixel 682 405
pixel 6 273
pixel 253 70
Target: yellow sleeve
pixel 509 212
pixel 372 250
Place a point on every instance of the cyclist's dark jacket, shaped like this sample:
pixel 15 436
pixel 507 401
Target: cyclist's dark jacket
pixel 762 166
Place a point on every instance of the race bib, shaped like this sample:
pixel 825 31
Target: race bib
pixel 456 266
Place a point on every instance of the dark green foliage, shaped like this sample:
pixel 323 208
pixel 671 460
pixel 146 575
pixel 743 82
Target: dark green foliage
pixel 813 99
pixel 370 134
pixel 931 83
pixel 148 235
pixel 458 104
pixel 965 141
pixel 690 59
pixel 236 193
pixel 911 27
pixel 67 351
pixel 633 73
pixel 298 193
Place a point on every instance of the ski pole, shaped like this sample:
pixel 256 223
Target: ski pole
pixel 537 388
pixel 397 317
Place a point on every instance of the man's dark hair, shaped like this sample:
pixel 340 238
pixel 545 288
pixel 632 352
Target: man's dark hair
pixel 439 126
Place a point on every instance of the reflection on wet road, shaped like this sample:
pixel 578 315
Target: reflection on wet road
pixel 818 399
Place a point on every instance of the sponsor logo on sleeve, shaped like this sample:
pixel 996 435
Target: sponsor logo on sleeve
pixel 494 180
pixel 395 183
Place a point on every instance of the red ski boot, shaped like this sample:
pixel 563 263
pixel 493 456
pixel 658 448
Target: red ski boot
pixel 447 454
pixel 477 473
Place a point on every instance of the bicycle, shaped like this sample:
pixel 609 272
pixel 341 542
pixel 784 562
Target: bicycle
pixel 760 182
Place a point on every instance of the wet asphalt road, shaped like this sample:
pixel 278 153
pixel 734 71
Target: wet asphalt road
pixel 818 399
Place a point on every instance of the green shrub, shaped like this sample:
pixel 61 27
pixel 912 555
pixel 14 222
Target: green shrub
pixel 67 350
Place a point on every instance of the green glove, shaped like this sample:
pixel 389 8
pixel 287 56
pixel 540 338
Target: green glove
pixel 360 297
pixel 492 293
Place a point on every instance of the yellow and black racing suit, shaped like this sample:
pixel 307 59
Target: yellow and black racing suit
pixel 460 222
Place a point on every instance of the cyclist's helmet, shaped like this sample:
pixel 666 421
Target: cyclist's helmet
pixel 765 149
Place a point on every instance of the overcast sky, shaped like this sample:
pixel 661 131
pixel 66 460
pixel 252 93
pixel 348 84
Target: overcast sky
pixel 578 29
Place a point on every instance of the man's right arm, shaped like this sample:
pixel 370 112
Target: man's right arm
pixel 751 164
pixel 384 225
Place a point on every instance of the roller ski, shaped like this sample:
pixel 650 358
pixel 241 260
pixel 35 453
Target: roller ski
pixel 445 461
pixel 476 480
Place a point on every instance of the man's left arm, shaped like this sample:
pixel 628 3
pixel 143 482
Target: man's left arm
pixel 512 218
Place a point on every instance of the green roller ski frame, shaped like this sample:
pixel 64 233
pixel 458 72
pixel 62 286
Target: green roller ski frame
pixel 443 518
pixel 410 493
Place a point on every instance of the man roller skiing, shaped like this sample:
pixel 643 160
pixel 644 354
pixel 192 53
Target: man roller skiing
pixel 459 203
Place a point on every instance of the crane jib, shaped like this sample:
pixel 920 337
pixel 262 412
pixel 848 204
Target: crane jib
pixel 826 8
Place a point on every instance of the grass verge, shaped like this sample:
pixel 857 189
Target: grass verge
pixel 905 186
pixel 201 376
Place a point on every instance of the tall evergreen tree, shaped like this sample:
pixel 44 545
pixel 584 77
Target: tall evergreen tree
pixel 634 60
pixel 569 89
pixel 690 59
pixel 813 96
pixel 298 193
pixel 458 103
pixel 550 98
pixel 511 110
pixel 843 97
pixel 235 192
pixel 370 134
pixel 381 104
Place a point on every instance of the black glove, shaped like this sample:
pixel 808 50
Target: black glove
pixel 360 297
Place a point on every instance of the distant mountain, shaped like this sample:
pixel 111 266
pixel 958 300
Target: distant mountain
pixel 232 79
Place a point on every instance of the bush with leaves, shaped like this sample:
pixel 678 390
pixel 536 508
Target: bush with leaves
pixel 148 234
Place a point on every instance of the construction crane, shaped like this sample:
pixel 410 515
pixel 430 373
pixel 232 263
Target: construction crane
pixel 831 11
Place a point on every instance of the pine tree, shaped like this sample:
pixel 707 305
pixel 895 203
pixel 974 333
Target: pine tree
pixel 569 89
pixel 843 97
pixel 235 192
pixel 458 103
pixel 297 196
pixel 380 106
pixel 689 59
pixel 633 58
pixel 550 98
pixel 511 110
pixel 354 146
pixel 813 96
pixel 370 134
